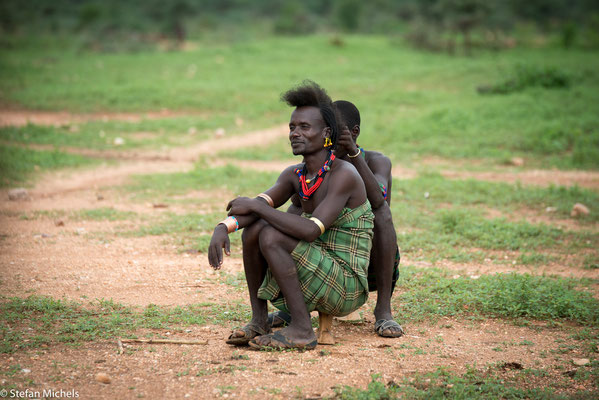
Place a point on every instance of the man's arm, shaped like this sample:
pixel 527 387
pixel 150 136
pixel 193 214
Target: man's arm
pixel 280 192
pixel 381 166
pixel 344 184
pixel 373 173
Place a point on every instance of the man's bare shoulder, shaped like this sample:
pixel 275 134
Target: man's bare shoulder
pixel 346 169
pixel 378 162
pixel 290 170
pixel 376 156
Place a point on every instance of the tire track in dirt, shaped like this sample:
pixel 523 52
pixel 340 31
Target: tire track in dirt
pixel 172 160
pixel 15 117
pixel 183 156
pixel 535 177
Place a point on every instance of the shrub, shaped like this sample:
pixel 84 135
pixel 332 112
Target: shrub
pixel 526 76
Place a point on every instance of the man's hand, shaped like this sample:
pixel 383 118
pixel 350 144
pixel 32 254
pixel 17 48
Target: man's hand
pixel 220 240
pixel 345 142
pixel 242 206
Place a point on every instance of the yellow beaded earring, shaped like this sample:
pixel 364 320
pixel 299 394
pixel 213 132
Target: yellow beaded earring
pixel 327 142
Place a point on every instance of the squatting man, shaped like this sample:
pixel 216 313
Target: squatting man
pixel 314 261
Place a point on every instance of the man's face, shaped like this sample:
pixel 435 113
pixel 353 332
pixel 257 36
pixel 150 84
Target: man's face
pixel 307 130
pixel 353 131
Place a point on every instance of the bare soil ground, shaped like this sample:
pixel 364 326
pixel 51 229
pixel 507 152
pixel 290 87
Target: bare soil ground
pixel 85 260
pixel 17 117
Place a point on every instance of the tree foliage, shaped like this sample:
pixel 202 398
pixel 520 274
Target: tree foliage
pixel 451 21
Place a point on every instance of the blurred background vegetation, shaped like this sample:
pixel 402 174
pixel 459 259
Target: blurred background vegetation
pixel 439 25
pixel 456 79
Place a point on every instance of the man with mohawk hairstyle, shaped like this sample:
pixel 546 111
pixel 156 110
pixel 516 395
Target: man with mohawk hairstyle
pixel 316 261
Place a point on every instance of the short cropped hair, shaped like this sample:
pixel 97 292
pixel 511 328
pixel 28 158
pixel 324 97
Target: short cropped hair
pixel 310 94
pixel 348 113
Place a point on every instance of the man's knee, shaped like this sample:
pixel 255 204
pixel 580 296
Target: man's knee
pixel 269 238
pixel 382 215
pixel 251 234
pixel 383 221
pixel 274 240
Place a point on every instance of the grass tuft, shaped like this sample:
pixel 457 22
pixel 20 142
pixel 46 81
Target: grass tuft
pixel 442 384
pixel 525 76
pixel 17 165
pixel 427 293
pixel 61 321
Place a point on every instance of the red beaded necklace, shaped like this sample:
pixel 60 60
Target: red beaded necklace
pixel 305 192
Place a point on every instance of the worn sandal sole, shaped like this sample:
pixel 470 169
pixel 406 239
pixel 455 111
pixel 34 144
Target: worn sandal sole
pixel 249 329
pixel 383 324
pixel 280 342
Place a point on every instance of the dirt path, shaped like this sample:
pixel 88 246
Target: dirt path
pixel 86 260
pixel 588 179
pixel 17 117
pixel 150 162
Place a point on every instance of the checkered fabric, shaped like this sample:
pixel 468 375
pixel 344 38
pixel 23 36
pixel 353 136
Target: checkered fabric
pixel 333 269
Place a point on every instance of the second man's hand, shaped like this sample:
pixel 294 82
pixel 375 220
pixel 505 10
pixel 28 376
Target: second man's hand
pixel 345 142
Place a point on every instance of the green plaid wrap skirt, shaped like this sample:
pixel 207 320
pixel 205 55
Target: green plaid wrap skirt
pixel 333 269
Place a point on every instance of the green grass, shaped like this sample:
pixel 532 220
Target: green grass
pixel 18 165
pixel 190 231
pixel 92 214
pixel 443 384
pixel 526 76
pixel 145 134
pixel 227 179
pixel 429 293
pixel 413 104
pixel 193 230
pixel 449 224
pixel 464 236
pixel 37 320
pixel 277 150
pixel 452 222
pixel 591 261
pixel 42 321
pixel 469 193
pixel 105 214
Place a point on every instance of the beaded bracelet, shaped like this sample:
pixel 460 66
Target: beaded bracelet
pixel 383 190
pixel 231 223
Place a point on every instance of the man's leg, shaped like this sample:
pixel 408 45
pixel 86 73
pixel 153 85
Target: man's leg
pixel 255 266
pixel 280 318
pixel 276 248
pixel 382 261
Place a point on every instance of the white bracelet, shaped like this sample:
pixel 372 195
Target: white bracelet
pixel 357 154
pixel 319 224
